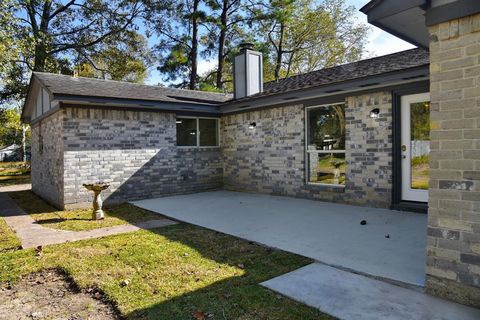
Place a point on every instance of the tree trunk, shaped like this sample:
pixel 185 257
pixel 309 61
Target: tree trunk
pixel 40 35
pixel 194 51
pixel 24 142
pixel 278 62
pixel 221 44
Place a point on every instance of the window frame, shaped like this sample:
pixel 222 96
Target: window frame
pixel 307 159
pixel 197 130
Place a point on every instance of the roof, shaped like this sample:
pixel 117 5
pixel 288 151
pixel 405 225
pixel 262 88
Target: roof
pixel 400 61
pixel 65 85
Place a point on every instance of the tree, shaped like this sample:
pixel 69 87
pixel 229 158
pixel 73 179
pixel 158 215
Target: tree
pixel 306 36
pixel 118 61
pixel 49 34
pixel 178 47
pixel 11 130
pixel 227 18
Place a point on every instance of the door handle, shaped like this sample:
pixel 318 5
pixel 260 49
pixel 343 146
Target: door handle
pixel 404 148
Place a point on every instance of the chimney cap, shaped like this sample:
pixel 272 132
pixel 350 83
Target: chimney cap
pixel 246 45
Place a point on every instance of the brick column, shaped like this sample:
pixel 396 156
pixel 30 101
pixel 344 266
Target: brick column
pixel 453 250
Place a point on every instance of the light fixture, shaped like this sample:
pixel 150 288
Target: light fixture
pixel 375 113
pixel 252 125
pixel 178 121
pixel 193 132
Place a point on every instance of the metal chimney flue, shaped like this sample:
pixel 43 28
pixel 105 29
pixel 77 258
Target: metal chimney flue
pixel 247 71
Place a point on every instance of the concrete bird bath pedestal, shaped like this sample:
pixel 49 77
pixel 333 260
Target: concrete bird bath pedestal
pixel 97 188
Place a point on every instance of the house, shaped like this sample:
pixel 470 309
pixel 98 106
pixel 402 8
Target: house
pixel 399 131
pixel 7 152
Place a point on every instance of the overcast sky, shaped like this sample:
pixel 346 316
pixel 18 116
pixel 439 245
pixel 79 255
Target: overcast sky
pixel 379 43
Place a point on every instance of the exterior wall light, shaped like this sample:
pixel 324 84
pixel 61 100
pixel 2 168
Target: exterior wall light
pixel 252 125
pixel 178 121
pixel 375 113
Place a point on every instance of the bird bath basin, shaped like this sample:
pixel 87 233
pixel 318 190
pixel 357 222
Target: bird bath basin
pixel 97 188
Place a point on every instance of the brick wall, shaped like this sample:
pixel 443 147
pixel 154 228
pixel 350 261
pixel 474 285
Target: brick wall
pixel 369 150
pixel 453 258
pixel 135 152
pixel 271 157
pixel 47 159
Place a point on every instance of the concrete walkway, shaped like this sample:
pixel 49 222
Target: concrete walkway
pixel 391 245
pixel 32 234
pixel 350 296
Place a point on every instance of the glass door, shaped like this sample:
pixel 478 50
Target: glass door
pixel 415 127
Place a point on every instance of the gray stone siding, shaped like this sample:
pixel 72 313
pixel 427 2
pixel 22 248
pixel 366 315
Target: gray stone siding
pixel 47 159
pixel 271 157
pixel 453 250
pixel 369 150
pixel 135 152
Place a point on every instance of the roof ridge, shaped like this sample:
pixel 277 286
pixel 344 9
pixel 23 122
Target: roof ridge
pixel 133 83
pixel 344 64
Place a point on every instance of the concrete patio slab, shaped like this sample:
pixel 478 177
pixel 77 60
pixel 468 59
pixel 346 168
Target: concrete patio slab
pixel 391 245
pixel 350 296
pixel 33 235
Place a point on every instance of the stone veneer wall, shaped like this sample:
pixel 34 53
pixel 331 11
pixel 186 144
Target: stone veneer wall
pixel 47 158
pixel 271 158
pixel 135 152
pixel 453 257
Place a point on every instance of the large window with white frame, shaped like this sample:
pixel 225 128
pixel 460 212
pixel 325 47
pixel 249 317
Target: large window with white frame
pixel 325 144
pixel 197 132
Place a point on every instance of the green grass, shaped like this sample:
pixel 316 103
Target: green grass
pixel 78 220
pixel 8 239
pixel 173 272
pixel 12 173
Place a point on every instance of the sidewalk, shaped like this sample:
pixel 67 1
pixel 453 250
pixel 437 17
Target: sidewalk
pixel 32 234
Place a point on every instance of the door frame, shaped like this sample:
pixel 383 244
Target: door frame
pixel 408 193
pixel 397 202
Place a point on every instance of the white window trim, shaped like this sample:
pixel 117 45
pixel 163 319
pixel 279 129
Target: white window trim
pixel 197 121
pixel 307 171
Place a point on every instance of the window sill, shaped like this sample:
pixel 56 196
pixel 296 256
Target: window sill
pixel 325 186
pixel 197 148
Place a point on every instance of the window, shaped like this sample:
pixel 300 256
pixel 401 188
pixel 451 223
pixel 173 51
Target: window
pixel 326 144
pixel 197 132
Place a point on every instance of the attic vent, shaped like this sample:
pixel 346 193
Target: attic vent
pixel 146 105
pixel 243 107
pixel 369 84
pixel 186 108
pixel 414 77
pixel 290 98
pixel 332 91
pixel 192 99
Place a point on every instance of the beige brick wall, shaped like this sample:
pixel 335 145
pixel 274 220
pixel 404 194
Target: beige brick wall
pixel 271 158
pixel 453 252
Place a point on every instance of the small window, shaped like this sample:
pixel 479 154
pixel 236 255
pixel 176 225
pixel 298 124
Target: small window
pixel 186 132
pixel 208 132
pixel 197 132
pixel 326 144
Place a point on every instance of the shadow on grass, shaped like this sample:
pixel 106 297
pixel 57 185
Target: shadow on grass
pixel 30 202
pixel 238 296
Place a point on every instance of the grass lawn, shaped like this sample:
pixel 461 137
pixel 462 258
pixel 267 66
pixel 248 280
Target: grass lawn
pixel 14 173
pixel 77 220
pixel 8 239
pixel 175 272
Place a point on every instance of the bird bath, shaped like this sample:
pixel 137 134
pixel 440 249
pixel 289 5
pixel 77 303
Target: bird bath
pixel 97 188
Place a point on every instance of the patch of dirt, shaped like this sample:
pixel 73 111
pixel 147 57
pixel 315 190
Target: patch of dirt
pixel 50 295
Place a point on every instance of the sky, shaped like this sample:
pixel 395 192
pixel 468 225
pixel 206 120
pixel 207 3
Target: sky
pixel 379 43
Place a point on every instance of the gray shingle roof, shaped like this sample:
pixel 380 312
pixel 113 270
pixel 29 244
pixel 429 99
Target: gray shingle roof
pixel 356 70
pixel 67 85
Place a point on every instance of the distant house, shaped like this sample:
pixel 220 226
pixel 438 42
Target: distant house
pixel 399 131
pixel 8 152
